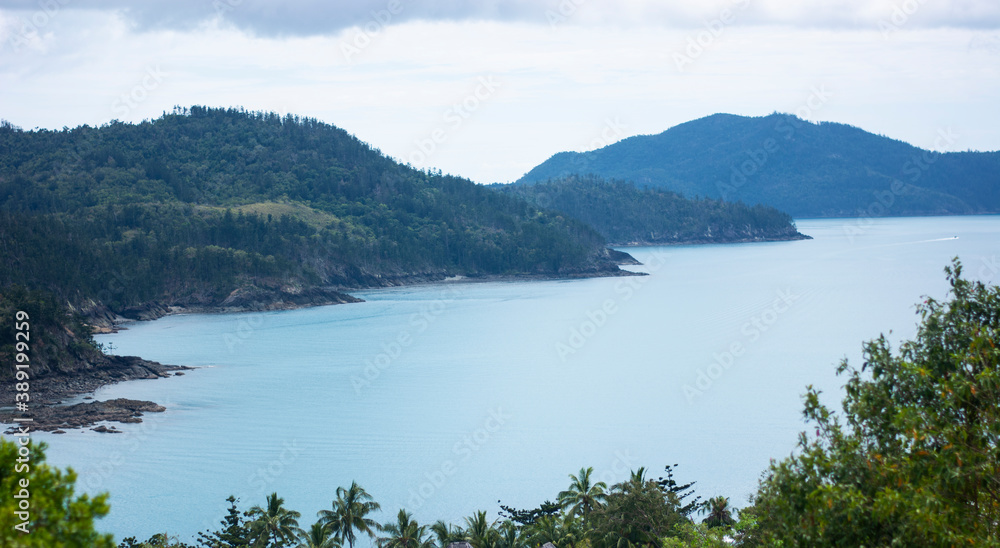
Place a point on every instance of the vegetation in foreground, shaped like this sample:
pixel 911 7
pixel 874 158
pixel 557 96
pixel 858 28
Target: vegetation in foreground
pixel 914 460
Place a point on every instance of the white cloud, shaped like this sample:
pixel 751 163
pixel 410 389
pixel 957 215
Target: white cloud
pixel 559 87
pixel 321 17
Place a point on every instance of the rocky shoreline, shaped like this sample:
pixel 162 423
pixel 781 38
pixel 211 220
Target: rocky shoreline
pixel 49 392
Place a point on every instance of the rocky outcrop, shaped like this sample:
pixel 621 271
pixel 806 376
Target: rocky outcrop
pixel 83 415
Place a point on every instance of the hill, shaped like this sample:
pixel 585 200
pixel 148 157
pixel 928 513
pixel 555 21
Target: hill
pixel 803 168
pixel 627 215
pixel 227 208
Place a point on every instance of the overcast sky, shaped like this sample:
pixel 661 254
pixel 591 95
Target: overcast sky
pixel 489 89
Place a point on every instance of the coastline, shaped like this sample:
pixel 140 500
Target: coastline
pixel 50 392
pixel 798 237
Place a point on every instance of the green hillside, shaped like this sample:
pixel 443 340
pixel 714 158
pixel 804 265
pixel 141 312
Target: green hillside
pixel 206 206
pixel 805 169
pixel 627 215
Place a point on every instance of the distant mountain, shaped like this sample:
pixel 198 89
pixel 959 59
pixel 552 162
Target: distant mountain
pixel 627 215
pixel 803 168
pixel 224 208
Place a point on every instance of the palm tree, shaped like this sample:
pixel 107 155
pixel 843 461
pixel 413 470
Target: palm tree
pixel 582 497
pixel 348 514
pixel 509 535
pixel 318 536
pixel 447 534
pixel 405 533
pixel 719 514
pixel 273 524
pixel 479 532
pixel 563 531
pixel 638 477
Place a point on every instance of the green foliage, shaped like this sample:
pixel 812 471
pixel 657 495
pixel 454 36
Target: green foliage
pixel 56 516
pixel 583 497
pixel 235 532
pixel 719 513
pixel 350 513
pixel 529 517
pixel 273 525
pixel 318 536
pixel 188 207
pixel 159 540
pixel 805 169
pixel 692 535
pixel 405 533
pixel 624 214
pixel 637 512
pixel 916 459
pixel 58 337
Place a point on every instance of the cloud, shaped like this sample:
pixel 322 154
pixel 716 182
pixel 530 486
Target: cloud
pixel 318 17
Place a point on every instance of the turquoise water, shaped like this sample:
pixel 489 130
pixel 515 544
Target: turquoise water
pixel 445 398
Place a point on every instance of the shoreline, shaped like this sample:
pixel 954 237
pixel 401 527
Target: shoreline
pixel 799 237
pixel 51 415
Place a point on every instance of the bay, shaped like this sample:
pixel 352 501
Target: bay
pixel 443 399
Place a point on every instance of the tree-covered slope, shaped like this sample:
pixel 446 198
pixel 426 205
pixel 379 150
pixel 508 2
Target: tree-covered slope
pixel 625 214
pixel 805 169
pixel 221 206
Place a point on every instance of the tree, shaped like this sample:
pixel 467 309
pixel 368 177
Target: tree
pixel 405 533
pixel 235 531
pixel 159 540
pixel 318 536
pixel 565 531
pixel 582 497
pixel 348 514
pixel 479 532
pixel 719 514
pixel 635 513
pixel 915 461
pixel 274 525
pixel 38 507
pixel 446 533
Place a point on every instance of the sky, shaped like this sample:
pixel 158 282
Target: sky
pixel 489 89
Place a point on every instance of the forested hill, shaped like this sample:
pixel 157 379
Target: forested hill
pixel 627 215
pixel 223 207
pixel 805 169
